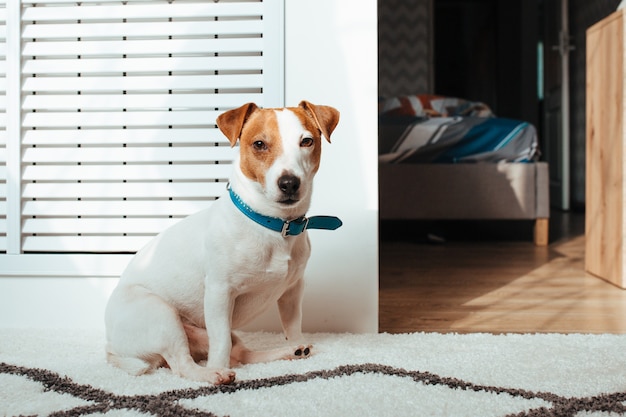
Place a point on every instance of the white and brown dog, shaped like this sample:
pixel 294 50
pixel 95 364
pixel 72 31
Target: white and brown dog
pixel 181 296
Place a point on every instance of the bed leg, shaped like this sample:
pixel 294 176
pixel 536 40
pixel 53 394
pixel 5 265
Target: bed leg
pixel 541 231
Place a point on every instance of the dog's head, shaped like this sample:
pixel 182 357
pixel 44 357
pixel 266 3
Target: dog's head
pixel 280 149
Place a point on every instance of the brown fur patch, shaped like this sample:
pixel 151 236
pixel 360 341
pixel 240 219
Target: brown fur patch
pixel 261 126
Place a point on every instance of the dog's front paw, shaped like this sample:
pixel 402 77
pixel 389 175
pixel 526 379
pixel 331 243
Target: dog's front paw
pixel 221 376
pixel 301 352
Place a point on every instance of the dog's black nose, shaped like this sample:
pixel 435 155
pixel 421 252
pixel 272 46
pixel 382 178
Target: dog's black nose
pixel 289 184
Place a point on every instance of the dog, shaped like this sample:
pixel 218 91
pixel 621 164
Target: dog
pixel 182 295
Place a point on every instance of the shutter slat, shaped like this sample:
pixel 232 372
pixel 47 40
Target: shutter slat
pixel 142 101
pixel 160 47
pixel 139 11
pixel 128 154
pixel 138 83
pixel 143 226
pixel 158 190
pixel 84 243
pixel 142 29
pixel 114 208
pixel 133 118
pixel 119 136
pixel 114 65
pixel 126 172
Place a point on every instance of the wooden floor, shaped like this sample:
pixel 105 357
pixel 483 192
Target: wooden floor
pixel 496 286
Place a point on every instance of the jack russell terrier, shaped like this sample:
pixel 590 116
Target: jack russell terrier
pixel 181 296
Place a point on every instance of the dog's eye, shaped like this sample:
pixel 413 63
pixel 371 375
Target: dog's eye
pixel 259 145
pixel 306 142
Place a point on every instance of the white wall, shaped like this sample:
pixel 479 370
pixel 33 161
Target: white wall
pixel 331 58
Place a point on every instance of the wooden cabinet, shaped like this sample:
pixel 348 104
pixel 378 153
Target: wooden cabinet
pixel 605 228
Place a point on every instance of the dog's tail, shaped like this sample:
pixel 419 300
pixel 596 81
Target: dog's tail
pixel 133 365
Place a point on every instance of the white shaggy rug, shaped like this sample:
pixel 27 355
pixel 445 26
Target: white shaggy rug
pixel 63 373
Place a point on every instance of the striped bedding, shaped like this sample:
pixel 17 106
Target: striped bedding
pixel 435 129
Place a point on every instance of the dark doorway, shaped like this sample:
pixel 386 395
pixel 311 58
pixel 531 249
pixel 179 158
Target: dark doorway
pixel 486 50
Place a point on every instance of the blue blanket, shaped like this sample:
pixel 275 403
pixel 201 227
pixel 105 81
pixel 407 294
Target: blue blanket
pixel 456 139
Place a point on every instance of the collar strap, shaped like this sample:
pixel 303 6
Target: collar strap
pixel 285 227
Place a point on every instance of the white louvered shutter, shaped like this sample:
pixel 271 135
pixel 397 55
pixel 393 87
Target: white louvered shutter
pixel 119 101
pixel 3 136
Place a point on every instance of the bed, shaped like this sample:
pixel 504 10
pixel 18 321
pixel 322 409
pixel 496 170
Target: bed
pixel 444 158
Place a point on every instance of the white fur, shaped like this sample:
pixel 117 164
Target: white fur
pixel 216 270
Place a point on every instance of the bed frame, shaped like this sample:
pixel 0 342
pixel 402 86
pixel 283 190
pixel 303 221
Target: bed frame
pixel 482 191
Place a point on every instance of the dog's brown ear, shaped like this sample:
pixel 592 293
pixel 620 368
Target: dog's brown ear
pixel 325 117
pixel 231 122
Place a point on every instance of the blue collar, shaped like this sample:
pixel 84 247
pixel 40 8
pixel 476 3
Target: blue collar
pixel 285 227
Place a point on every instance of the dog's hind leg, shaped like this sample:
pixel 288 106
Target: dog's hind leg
pixel 240 354
pixel 145 332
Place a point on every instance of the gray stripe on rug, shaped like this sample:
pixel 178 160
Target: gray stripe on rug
pixel 166 403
